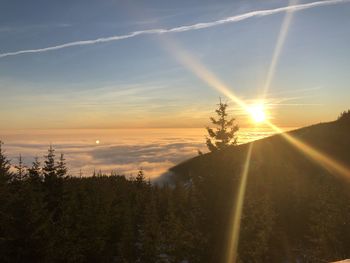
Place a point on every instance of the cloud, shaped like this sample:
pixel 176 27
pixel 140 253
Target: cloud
pixel 198 26
pixel 123 151
pixel 150 153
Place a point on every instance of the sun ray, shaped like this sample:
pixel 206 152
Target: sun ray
pixel 321 158
pixel 238 208
pixel 278 48
pixel 204 74
pixel 212 81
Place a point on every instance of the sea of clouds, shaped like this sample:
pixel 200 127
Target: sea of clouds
pixel 119 151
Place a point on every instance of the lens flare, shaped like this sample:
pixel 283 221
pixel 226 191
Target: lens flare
pixel 236 226
pixel 278 48
pixel 322 159
pixel 212 81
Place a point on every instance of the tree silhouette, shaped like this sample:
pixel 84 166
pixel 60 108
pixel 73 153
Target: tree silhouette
pixel 50 166
pixel 61 168
pixel 344 117
pixel 224 134
pixel 21 169
pixel 35 172
pixel 140 178
pixel 4 165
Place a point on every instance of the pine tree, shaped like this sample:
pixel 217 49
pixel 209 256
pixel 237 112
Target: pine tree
pixel 61 167
pixel 140 178
pixel 50 169
pixel 149 237
pixel 53 186
pixel 224 134
pixel 4 165
pixel 35 172
pixel 21 169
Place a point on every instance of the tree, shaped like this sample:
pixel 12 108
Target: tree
pixel 344 117
pixel 224 135
pixel 50 170
pixel 61 167
pixel 53 186
pixel 35 172
pixel 4 165
pixel 140 178
pixel 21 169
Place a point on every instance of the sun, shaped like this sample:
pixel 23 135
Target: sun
pixel 97 142
pixel 257 112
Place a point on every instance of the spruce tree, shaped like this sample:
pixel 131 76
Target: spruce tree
pixel 140 178
pixel 50 169
pixel 224 134
pixel 35 172
pixel 21 169
pixel 4 165
pixel 61 167
pixel 53 186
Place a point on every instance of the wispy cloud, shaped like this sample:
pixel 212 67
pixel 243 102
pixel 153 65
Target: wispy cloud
pixel 232 19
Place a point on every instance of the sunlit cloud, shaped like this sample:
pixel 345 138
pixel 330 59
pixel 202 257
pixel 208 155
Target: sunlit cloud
pixel 179 29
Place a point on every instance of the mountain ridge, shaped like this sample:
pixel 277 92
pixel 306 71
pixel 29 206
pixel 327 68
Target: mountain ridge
pixel 328 137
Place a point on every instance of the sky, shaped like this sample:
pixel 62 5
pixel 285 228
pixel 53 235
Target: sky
pixel 136 80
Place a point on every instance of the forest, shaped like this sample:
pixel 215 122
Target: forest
pixel 294 210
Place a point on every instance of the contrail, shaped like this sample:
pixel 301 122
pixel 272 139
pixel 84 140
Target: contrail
pixel 232 19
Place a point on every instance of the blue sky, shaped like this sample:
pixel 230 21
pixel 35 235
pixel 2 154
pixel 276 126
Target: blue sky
pixel 137 82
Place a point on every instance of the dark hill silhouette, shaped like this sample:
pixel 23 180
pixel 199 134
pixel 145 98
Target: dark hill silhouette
pixel 331 138
pixel 294 209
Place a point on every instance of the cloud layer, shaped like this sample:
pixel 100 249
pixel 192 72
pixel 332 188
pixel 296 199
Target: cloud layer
pixel 121 151
pixel 232 19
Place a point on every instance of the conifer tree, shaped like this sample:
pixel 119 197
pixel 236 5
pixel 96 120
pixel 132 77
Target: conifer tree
pixel 35 172
pixel 150 239
pixel 53 186
pixel 224 135
pixel 61 167
pixel 50 169
pixel 21 169
pixel 4 165
pixel 140 178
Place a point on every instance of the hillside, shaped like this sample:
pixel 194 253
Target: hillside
pixel 294 209
pixel 275 152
